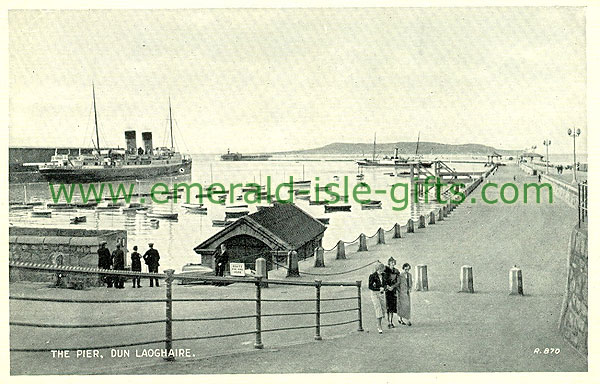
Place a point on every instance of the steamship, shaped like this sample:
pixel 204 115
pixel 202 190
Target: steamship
pixel 105 164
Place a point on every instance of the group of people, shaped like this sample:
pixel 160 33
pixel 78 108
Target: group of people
pixel 390 293
pixel 116 261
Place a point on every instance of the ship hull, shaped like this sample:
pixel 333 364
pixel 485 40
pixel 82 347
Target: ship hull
pixel 89 175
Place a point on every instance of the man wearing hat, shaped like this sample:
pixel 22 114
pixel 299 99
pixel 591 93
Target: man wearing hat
pixel 104 262
pixel 151 258
pixel 118 265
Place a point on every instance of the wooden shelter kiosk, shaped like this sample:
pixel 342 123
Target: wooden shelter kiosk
pixel 269 233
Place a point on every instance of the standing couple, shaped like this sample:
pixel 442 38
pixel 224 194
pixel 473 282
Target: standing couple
pixel 390 291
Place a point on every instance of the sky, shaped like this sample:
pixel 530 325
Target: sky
pixel 259 80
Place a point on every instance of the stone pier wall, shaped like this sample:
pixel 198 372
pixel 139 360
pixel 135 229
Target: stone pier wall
pixel 574 316
pixel 59 246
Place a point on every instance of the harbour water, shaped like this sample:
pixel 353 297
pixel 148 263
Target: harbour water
pixel 175 239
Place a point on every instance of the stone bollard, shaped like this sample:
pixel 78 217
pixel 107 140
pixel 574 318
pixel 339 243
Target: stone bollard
pixel 380 236
pixel 516 281
pixel 445 211
pixel 431 217
pixel 410 226
pixel 421 221
pixel 422 284
pixel 440 214
pixel 341 251
pixel 397 231
pixel 319 257
pixel 362 243
pixel 466 279
pixel 261 271
pixel 292 264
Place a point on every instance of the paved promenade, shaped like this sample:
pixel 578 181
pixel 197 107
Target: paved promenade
pixel 452 332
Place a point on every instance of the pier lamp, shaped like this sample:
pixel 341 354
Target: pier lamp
pixel 574 133
pixel 547 144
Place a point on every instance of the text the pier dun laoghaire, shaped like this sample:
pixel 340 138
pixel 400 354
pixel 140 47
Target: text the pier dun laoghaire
pixel 122 353
pixel 330 193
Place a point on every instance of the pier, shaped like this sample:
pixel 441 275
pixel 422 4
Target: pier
pixel 450 331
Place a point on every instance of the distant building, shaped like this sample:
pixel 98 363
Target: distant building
pixel 495 155
pixel 530 157
pixel 269 233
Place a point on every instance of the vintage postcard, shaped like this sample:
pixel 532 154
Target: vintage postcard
pixel 299 190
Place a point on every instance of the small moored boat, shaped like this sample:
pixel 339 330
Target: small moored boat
pixel 163 215
pixel 373 204
pixel 41 213
pixel 337 208
pixel 195 208
pixel 78 219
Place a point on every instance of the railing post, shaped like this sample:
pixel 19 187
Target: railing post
pixel 359 297
pixel 169 314
pixel 579 205
pixel 397 231
pixel 318 308
pixel 258 343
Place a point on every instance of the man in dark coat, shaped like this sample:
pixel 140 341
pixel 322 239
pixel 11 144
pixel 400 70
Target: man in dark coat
pixel 151 257
pixel 118 257
pixel 105 262
pixel 221 260
pixel 136 265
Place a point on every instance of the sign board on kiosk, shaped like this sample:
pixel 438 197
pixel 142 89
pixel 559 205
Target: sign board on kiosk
pixel 237 269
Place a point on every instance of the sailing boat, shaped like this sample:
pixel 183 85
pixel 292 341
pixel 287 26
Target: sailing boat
pixel 105 164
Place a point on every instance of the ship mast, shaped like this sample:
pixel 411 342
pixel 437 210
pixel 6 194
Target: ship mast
pixel 96 118
pixel 374 143
pixel 171 122
pixel 418 139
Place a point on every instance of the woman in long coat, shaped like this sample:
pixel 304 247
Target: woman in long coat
pixel 404 289
pixel 391 273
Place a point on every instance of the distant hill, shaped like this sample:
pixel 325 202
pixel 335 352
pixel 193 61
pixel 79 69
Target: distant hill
pixel 404 148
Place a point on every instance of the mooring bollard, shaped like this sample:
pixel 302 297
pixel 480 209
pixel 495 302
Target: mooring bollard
pixel 421 221
pixel 440 214
pixel 410 226
pixel 431 217
pixel 380 236
pixel 261 271
pixel 319 257
pixel 466 279
pixel 341 251
pixel 169 314
pixel 362 243
pixel 397 231
pixel 422 284
pixel 445 211
pixel 292 264
pixel 516 281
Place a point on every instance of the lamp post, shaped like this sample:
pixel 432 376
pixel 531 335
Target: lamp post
pixel 547 144
pixel 574 133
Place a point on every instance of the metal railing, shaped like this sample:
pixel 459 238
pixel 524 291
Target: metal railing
pixel 582 202
pixel 169 276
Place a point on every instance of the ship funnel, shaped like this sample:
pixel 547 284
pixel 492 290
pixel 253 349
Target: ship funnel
pixel 147 138
pixel 130 142
pixel 396 152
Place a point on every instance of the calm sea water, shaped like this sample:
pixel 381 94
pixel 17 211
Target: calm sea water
pixel 176 239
